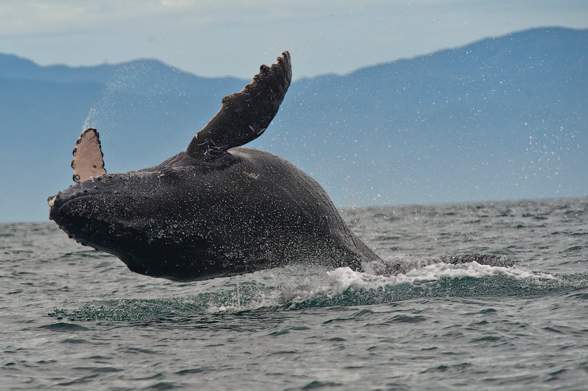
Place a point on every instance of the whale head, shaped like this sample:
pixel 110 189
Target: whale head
pixel 140 216
pixel 102 211
pixel 137 216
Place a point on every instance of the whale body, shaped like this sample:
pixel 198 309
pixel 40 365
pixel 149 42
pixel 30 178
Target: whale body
pixel 215 209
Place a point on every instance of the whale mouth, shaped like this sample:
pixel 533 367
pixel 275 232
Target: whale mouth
pixel 77 216
pixel 75 198
pixel 53 200
pixel 58 204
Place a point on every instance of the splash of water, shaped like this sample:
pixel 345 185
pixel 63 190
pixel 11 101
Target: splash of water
pixel 339 287
pixel 133 78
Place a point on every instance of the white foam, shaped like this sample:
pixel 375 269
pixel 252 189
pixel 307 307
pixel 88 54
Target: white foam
pixel 294 286
pixel 343 278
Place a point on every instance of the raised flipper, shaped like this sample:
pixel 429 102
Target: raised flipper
pixel 88 160
pixel 245 115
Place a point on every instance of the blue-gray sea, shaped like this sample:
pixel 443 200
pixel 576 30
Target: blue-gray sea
pixel 73 318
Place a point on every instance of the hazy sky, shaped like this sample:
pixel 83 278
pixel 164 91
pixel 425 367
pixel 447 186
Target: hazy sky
pixel 220 37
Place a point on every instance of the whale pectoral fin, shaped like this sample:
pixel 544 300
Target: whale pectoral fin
pixel 245 115
pixel 88 160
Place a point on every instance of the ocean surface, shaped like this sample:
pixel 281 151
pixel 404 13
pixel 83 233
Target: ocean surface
pixel 73 318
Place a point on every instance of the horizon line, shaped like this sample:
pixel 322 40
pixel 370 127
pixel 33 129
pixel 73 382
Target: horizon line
pixel 398 59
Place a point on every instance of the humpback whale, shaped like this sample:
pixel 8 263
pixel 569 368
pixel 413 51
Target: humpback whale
pixel 215 209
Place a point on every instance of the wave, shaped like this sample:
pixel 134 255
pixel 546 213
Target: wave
pixel 339 287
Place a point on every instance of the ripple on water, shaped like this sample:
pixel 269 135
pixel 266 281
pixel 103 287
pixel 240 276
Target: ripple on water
pixel 65 327
pixel 407 319
pixel 449 367
pixel 316 384
pixel 191 371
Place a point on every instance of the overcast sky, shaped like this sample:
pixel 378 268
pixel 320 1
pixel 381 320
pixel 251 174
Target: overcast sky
pixel 219 37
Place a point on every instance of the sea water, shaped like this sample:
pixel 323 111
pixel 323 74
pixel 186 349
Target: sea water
pixel 74 318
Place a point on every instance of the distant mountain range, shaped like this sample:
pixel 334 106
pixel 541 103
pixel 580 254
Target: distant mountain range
pixel 500 118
